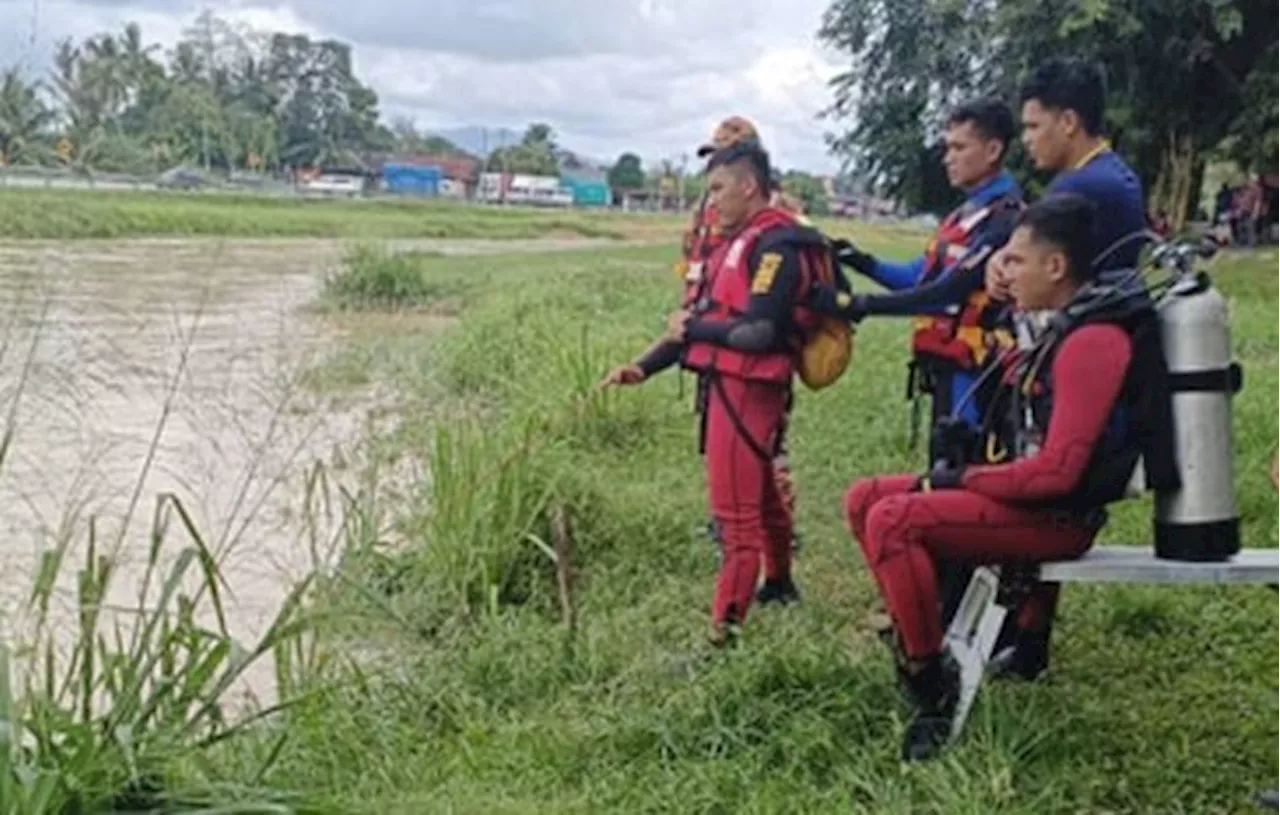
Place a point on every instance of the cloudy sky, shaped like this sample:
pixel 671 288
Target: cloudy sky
pixel 609 75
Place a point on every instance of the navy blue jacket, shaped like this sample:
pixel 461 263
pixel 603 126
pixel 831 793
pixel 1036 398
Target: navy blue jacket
pixel 1116 191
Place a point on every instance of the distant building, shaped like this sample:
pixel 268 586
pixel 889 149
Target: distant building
pixel 589 187
pixel 516 188
pixel 448 176
pixel 421 180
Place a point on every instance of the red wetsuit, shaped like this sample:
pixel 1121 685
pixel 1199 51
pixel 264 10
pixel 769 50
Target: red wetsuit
pixel 743 345
pixel 998 513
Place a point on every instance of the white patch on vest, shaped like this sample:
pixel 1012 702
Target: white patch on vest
pixel 734 256
pixel 694 275
pixel 973 220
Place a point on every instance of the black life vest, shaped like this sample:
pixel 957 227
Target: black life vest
pixel 1140 427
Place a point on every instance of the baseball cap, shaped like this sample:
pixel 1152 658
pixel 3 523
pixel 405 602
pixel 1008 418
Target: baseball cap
pixel 733 130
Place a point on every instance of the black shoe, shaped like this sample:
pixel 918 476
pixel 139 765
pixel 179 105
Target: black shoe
pixel 935 690
pixel 782 591
pixel 1026 659
pixel 724 635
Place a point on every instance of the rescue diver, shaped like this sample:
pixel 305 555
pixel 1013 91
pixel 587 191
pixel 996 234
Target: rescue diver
pixel 1062 108
pixel 959 328
pixel 1081 406
pixel 741 336
pixel 1062 116
pixel 703 236
pixel 950 345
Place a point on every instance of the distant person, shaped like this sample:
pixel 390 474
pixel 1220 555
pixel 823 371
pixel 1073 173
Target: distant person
pixel 1161 224
pixel 1222 202
pixel 1248 211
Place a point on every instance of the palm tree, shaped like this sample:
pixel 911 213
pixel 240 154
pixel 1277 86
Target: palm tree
pixel 23 119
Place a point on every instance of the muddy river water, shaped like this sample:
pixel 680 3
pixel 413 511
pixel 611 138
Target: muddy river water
pixel 186 352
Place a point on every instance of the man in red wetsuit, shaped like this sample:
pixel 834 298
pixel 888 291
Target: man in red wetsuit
pixel 704 235
pixel 1074 410
pixel 741 335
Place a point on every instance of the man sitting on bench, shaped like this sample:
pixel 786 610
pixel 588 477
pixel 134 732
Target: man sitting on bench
pixel 1075 413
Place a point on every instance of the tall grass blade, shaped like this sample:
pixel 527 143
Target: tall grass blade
pixel 208 564
pixel 9 732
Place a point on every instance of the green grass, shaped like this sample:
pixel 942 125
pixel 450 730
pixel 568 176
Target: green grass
pixel 440 671
pixel 469 694
pixel 373 278
pixel 33 213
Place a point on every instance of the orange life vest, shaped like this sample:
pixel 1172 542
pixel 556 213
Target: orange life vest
pixel 701 239
pixel 965 338
pixel 725 292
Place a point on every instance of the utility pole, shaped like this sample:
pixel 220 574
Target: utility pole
pixel 684 164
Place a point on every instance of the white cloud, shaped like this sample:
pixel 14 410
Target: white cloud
pixel 647 75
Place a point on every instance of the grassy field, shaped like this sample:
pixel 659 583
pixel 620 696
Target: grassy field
pixel 457 683
pixel 34 213
pixel 447 673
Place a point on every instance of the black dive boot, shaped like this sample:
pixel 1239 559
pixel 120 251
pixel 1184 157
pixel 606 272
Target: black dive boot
pixel 935 690
pixel 780 590
pixel 1026 658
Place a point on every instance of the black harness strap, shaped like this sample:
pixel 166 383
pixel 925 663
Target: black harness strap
pixel 716 382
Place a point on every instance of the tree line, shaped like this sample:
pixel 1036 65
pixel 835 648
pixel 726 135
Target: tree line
pixel 225 96
pixel 1191 81
pixel 231 98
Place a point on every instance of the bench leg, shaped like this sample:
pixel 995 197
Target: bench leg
pixel 971 638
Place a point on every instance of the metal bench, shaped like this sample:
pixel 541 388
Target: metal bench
pixel 973 631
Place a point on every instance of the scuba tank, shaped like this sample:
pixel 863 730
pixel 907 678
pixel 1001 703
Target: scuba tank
pixel 1199 520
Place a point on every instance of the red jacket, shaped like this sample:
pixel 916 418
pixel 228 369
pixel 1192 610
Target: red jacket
pixel 725 292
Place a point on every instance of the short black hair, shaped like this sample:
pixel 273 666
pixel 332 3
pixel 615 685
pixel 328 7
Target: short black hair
pixel 750 153
pixel 990 117
pixel 1069 83
pixel 1065 220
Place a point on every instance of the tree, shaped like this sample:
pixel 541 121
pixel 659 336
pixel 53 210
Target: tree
pixel 24 119
pixel 534 155
pixel 406 138
pixel 808 188
pixel 539 135
pixel 909 60
pixel 1182 75
pixel 226 96
pixel 1252 142
pixel 1177 70
pixel 627 173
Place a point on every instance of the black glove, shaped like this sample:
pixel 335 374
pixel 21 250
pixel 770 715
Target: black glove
pixel 943 476
pixel 854 258
pixel 952 440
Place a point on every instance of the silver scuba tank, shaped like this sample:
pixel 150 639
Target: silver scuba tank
pixel 1199 521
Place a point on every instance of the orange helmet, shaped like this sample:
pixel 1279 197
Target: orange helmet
pixel 731 131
